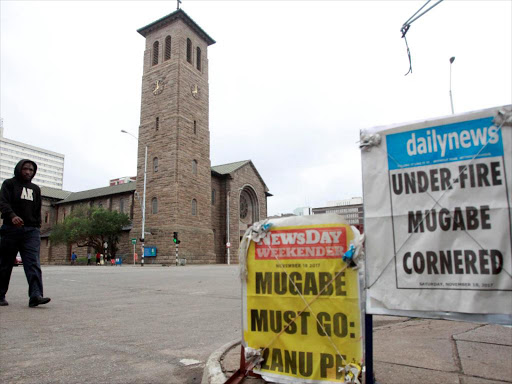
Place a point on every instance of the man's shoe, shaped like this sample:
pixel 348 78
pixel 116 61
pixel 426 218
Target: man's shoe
pixel 35 301
pixel 3 302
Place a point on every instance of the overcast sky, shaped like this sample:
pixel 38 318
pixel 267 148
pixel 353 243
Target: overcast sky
pixel 291 83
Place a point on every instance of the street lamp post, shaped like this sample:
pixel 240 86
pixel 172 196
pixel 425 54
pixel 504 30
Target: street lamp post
pixel 143 195
pixel 452 59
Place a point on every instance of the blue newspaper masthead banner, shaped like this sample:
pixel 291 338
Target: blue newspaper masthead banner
pixel 445 143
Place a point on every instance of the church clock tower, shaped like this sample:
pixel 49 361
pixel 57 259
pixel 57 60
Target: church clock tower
pixel 174 127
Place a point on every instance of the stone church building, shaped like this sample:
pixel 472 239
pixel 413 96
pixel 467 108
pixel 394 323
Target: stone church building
pixel 208 206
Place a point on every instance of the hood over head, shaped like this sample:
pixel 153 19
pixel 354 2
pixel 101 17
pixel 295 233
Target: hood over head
pixel 17 169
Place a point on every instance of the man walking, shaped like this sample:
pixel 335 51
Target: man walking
pixel 20 204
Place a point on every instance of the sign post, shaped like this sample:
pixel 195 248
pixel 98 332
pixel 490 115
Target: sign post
pixel 301 308
pixel 134 241
pixel 437 218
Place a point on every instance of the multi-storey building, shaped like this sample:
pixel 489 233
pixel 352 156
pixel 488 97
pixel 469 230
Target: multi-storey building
pixel 351 209
pixel 50 165
pixel 122 180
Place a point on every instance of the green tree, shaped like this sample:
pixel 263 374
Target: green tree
pixel 91 228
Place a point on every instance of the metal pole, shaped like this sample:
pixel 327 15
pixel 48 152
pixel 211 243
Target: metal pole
pixel 177 259
pixel 368 333
pixel 134 254
pixel 227 225
pixel 452 59
pixel 143 199
pixel 144 203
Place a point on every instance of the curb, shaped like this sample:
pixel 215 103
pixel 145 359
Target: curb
pixel 213 373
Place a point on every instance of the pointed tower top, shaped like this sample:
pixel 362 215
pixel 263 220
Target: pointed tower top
pixel 172 17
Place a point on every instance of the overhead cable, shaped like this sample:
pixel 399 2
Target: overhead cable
pixel 407 25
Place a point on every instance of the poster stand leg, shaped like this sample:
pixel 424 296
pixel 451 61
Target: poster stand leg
pixel 242 372
pixel 368 340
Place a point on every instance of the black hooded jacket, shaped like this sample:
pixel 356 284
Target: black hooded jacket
pixel 21 198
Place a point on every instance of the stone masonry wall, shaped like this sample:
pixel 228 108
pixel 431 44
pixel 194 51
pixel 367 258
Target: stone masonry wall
pixel 174 127
pixel 242 178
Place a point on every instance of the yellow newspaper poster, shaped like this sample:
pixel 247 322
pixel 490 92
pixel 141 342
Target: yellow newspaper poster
pixel 301 302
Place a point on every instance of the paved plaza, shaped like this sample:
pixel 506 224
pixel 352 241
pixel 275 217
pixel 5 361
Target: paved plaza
pixel 110 324
pixel 154 324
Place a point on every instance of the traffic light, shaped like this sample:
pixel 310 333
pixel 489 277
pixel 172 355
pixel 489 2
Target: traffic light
pixel 175 238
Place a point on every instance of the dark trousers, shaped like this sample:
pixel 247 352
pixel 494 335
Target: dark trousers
pixel 26 241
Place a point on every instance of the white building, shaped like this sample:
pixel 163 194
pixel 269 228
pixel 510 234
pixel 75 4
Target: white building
pixel 123 180
pixel 352 210
pixel 302 211
pixel 351 201
pixel 50 165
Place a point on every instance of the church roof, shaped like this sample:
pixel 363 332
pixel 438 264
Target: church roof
pixel 99 192
pixel 54 193
pixel 225 169
pixel 228 169
pixel 68 197
pixel 170 18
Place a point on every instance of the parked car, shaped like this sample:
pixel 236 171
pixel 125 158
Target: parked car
pixel 18 260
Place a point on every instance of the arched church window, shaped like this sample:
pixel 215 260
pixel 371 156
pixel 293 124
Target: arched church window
pixel 214 193
pixel 155 52
pixel 195 127
pixel 198 58
pixel 244 207
pixel 155 164
pixel 167 54
pixel 194 167
pixel 189 51
pixel 157 123
pixel 154 205
pixel 194 207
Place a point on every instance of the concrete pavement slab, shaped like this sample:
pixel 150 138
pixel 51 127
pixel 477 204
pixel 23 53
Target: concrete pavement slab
pixel 490 333
pixel 388 373
pixel 479 380
pixel 419 343
pixel 488 361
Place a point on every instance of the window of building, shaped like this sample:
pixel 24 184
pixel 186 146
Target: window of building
pixel 198 58
pixel 121 205
pixel 155 164
pixel 194 167
pixel 155 52
pixel 195 127
pixel 154 205
pixel 46 217
pixel 194 207
pixel 157 123
pixel 214 192
pixel 167 48
pixel 189 51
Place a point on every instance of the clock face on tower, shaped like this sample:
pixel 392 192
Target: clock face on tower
pixel 194 89
pixel 158 87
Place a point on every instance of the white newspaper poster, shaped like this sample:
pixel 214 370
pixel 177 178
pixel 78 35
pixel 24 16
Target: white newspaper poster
pixel 437 200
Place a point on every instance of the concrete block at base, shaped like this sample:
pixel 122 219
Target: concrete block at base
pixel 213 373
